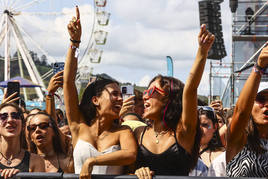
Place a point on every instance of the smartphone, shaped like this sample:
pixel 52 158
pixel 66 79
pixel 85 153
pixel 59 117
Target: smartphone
pixel 12 87
pixel 57 67
pixel 127 91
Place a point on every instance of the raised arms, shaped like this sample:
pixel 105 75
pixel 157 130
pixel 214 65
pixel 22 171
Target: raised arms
pixel 70 69
pixel 187 126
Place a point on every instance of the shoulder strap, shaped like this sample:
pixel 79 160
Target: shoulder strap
pixel 142 134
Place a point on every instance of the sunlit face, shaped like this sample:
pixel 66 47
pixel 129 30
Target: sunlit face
pixel 220 121
pixel 260 110
pixel 110 102
pixel 10 122
pixel 154 103
pixel 40 130
pixel 207 128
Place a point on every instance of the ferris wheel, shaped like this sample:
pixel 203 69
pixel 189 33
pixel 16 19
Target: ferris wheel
pixel 27 25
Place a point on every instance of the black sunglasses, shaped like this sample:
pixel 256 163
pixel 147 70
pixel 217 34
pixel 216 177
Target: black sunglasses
pixel 13 115
pixel 43 125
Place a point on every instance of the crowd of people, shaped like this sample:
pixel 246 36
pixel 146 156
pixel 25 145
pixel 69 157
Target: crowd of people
pixel 163 131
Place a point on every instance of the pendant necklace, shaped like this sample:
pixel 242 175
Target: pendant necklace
pixel 9 160
pixel 159 134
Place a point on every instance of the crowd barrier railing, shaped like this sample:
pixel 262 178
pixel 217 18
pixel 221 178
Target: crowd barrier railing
pixel 43 175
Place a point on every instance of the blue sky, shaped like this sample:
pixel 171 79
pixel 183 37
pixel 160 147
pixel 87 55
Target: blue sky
pixel 141 34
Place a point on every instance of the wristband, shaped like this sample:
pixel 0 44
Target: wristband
pixel 259 69
pixel 75 41
pixel 49 94
pixel 77 51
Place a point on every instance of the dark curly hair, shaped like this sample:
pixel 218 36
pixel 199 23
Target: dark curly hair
pixel 172 111
pixel 86 106
pixel 23 143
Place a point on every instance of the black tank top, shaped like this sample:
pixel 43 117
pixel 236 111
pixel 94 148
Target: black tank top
pixel 23 166
pixel 174 161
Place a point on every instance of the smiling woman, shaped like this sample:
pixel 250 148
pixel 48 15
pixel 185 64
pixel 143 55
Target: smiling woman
pixel 14 157
pixel 97 140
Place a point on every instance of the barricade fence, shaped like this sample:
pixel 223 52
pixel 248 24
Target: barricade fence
pixel 44 175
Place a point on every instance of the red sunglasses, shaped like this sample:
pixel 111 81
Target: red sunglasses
pixel 151 91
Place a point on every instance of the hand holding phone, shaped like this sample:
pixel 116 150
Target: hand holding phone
pixel 13 91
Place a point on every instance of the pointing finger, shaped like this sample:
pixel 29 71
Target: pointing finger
pixel 77 13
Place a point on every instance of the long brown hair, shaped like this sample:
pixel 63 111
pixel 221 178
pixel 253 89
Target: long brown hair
pixel 171 113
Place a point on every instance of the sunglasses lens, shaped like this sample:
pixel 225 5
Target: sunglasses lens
pixel 43 125
pixel 151 90
pixel 31 127
pixel 15 115
pixel 3 116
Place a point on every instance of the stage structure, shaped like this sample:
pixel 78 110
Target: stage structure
pixel 249 35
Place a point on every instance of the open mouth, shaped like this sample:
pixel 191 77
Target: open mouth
pixel 39 137
pixel 11 127
pixel 266 113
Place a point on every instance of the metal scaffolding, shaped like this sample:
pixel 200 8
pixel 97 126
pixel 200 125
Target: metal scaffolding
pixel 249 35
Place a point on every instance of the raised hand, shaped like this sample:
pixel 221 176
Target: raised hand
pixel 263 58
pixel 205 39
pixel 55 82
pixel 9 99
pixel 74 27
pixel 128 106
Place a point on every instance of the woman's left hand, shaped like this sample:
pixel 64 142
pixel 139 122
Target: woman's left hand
pixel 205 38
pixel 8 173
pixel 87 169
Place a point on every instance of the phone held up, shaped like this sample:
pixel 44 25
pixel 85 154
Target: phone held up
pixel 127 91
pixel 12 87
pixel 57 67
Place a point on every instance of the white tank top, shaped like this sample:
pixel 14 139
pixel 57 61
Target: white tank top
pixel 83 150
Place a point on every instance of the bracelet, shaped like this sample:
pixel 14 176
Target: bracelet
pixel 49 94
pixel 259 69
pixel 75 41
pixel 77 51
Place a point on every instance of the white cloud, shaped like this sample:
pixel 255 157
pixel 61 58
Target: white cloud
pixel 145 81
pixel 141 35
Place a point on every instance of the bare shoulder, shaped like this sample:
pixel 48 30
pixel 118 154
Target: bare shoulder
pixel 37 163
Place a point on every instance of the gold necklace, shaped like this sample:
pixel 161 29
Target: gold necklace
pixel 159 134
pixel 9 160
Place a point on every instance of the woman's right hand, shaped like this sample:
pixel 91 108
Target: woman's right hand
pixel 55 82
pixel 8 173
pixel 9 99
pixel 144 172
pixel 74 27
pixel 128 106
pixel 263 58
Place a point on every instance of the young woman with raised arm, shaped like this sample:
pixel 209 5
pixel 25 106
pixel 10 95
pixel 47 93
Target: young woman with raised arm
pixel 171 145
pixel 247 140
pixel 100 146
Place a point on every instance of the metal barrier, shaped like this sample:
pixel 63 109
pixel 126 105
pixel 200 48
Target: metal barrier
pixel 43 175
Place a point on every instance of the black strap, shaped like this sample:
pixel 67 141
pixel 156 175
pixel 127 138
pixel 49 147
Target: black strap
pixel 143 134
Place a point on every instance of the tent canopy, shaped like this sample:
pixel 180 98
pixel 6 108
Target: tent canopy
pixel 24 83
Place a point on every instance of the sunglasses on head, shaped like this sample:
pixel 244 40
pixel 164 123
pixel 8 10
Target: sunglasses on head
pixel 151 91
pixel 13 115
pixel 207 108
pixel 43 125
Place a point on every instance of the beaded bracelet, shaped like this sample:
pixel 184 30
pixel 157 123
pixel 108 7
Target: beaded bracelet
pixel 259 69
